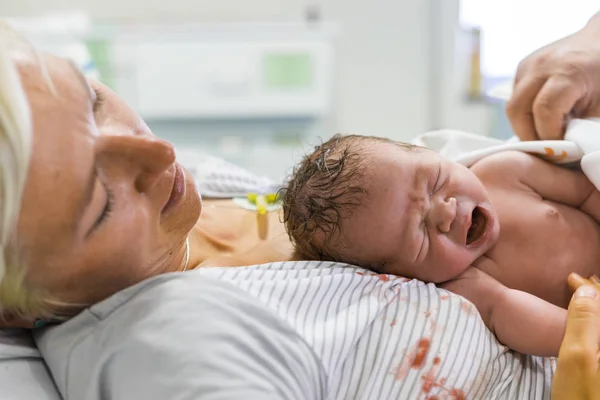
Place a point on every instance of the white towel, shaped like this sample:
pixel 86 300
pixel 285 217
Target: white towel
pixel 582 143
pixel 586 134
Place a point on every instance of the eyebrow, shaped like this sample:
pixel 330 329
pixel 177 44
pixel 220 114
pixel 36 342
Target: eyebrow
pixel 414 207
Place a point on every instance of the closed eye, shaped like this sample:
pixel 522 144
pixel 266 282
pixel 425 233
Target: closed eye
pixel 107 210
pixel 437 185
pixel 99 100
pixel 105 213
pixel 425 237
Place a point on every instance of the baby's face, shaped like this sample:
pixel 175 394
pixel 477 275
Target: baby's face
pixel 427 217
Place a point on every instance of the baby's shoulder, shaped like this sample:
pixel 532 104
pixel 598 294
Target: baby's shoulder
pixel 504 160
pixel 502 166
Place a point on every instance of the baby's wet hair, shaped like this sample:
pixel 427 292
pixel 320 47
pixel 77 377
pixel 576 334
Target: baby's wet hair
pixel 327 186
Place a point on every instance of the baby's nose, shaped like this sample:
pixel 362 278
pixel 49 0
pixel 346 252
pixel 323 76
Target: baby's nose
pixel 446 214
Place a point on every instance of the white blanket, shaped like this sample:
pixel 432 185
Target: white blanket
pixel 581 144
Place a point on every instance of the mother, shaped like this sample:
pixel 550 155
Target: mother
pixel 92 202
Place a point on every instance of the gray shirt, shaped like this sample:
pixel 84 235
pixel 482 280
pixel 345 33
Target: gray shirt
pixel 176 338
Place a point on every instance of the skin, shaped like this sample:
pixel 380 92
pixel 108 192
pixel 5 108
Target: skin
pixel 577 376
pixel 555 83
pixel 550 211
pixel 433 199
pixel 553 216
pixel 88 145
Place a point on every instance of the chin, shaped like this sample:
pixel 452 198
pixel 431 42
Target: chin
pixel 194 201
pixel 447 271
pixel 187 213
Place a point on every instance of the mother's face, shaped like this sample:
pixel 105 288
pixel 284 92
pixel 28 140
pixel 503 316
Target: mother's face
pixel 98 211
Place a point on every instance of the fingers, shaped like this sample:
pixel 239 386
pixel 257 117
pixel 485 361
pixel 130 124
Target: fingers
pixel 553 104
pixel 576 280
pixel 583 326
pixel 519 108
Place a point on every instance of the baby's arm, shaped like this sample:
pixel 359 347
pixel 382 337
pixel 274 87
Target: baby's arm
pixel 555 183
pixel 519 320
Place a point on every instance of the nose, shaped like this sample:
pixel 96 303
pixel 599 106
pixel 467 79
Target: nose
pixel 443 213
pixel 142 159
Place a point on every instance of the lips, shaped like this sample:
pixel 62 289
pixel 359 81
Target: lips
pixel 480 225
pixel 477 227
pixel 177 191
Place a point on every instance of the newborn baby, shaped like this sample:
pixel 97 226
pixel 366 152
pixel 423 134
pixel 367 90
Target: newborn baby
pixel 505 234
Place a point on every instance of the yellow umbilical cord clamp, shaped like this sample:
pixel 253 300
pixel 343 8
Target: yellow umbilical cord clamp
pixel 262 201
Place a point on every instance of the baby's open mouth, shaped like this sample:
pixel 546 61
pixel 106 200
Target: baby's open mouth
pixel 477 228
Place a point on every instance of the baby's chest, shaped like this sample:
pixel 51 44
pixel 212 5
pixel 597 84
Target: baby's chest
pixel 541 243
pixel 527 222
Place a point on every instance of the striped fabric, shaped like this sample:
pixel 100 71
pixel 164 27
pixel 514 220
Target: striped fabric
pixel 384 337
pixel 217 178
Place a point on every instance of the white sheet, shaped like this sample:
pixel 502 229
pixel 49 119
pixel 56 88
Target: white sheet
pixel 581 145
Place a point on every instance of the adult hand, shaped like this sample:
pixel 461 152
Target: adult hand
pixel 577 374
pixel 556 82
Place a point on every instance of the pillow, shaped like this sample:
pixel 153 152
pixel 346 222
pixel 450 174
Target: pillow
pixel 24 375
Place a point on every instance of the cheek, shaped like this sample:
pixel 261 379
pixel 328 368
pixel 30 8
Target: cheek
pixel 450 260
pixel 135 227
pixel 179 223
pixel 474 187
pixel 128 240
pixel 131 250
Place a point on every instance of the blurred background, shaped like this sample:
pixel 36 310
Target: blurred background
pixel 258 82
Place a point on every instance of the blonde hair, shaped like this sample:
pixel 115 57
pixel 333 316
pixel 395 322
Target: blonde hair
pixel 16 299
